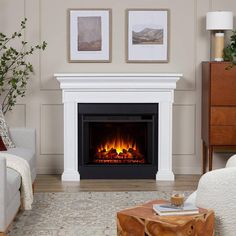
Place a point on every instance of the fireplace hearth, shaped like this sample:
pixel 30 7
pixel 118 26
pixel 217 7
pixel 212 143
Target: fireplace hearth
pixel 118 140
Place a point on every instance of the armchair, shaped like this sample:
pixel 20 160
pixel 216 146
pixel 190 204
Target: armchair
pixel 217 190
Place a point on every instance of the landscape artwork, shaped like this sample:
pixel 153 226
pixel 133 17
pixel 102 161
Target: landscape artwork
pixel 149 34
pixel 89 33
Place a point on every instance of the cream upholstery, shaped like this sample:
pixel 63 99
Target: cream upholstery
pixel 217 190
pixel 231 162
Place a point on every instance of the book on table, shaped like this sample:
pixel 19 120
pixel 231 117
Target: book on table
pixel 168 209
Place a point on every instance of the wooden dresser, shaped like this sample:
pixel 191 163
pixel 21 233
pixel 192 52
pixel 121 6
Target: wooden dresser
pixel 218 109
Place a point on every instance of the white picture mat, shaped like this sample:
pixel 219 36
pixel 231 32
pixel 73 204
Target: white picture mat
pixel 151 52
pixel 89 55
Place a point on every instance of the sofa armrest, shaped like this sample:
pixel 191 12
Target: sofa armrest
pixel 2 194
pixel 23 137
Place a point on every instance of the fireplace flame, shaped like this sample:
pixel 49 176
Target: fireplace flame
pixel 119 144
pixel 119 150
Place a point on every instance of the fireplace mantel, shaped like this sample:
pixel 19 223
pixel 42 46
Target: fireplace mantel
pixel 117 88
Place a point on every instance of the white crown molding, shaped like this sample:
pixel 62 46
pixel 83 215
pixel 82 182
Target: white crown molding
pixel 116 81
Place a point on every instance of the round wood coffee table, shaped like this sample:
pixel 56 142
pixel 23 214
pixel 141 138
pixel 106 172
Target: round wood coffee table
pixel 143 221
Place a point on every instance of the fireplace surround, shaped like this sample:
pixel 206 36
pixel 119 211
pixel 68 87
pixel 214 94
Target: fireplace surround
pixel 117 88
pixel 117 140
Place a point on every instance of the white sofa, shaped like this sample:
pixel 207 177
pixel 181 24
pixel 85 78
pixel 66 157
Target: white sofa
pixel 217 190
pixel 10 180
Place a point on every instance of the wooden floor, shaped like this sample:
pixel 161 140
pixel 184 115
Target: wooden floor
pixel 53 183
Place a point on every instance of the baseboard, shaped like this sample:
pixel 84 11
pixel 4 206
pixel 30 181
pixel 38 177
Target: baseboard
pixel 188 170
pixel 49 171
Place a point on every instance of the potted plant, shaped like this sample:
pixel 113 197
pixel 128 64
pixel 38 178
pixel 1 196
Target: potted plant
pixel 15 69
pixel 229 53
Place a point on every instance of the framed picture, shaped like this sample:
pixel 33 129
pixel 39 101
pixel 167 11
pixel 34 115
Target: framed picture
pixel 89 35
pixel 147 35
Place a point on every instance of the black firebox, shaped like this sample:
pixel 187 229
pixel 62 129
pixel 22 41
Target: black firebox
pixel 118 141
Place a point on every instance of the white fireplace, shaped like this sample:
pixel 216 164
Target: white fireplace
pixel 117 88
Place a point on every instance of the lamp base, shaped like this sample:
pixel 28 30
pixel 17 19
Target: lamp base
pixel 219 59
pixel 218 46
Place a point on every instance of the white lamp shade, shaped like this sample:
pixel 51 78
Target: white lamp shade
pixel 219 20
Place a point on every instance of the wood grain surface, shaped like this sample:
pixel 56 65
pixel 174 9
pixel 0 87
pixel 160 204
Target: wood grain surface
pixel 53 183
pixel 142 221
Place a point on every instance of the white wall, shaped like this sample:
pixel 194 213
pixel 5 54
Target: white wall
pixel 42 108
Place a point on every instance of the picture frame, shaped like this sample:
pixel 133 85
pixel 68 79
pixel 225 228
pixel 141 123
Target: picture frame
pixel 147 35
pixel 89 35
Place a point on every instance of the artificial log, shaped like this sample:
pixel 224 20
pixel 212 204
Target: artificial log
pixel 142 221
pixel 112 156
pixel 112 153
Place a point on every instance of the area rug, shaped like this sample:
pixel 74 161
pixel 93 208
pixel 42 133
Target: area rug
pixel 78 214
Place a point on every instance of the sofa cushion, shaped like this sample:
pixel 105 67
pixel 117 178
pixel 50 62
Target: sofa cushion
pixel 13 184
pixel 26 154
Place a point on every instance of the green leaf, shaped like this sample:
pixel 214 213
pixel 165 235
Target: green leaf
pixel 15 71
pixel 229 53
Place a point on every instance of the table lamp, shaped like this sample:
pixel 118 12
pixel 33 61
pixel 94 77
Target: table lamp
pixel 218 21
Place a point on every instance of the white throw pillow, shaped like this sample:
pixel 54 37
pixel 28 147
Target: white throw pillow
pixel 4 133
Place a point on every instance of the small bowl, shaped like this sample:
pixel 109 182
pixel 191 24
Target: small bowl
pixel 177 199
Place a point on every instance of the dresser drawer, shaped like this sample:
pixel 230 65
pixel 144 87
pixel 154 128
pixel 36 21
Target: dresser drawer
pixel 223 135
pixel 223 116
pixel 223 85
